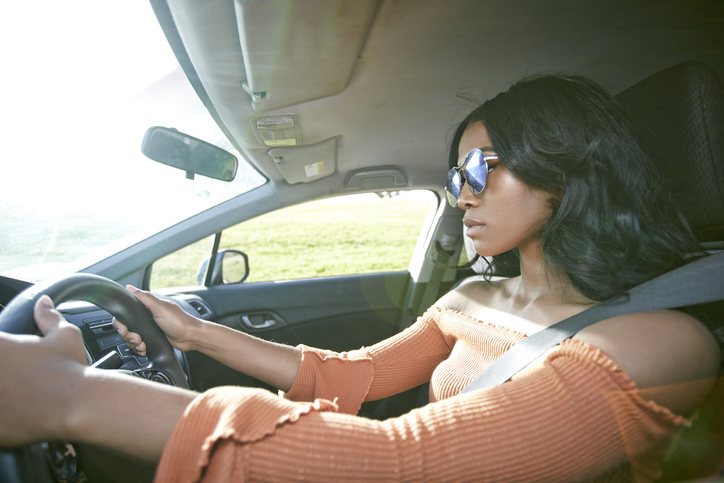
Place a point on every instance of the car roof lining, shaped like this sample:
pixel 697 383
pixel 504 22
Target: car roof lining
pixel 394 103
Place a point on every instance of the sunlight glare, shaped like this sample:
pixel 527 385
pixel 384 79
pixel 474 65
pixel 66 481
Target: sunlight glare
pixel 73 64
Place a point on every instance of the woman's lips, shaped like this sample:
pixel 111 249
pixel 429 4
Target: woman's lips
pixel 473 227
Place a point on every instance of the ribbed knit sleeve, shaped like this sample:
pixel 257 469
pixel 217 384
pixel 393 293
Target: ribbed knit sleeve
pixel 341 377
pixel 576 417
pixel 389 367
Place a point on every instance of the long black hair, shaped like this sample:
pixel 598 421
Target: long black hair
pixel 612 225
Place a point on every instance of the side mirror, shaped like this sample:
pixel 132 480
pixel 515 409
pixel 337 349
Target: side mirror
pixel 179 150
pixel 230 267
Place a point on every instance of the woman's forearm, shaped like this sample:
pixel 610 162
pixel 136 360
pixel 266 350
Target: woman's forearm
pixel 49 394
pixel 274 364
pixel 127 414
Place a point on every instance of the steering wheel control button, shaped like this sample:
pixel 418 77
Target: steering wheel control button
pixel 96 321
pixel 110 341
pixel 125 351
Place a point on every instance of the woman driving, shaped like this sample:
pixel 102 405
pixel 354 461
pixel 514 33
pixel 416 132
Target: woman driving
pixel 549 175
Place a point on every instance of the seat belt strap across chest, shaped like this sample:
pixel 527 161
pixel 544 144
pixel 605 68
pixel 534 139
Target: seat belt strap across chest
pixel 698 282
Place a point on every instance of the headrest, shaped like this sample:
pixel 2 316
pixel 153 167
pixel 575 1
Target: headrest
pixel 679 116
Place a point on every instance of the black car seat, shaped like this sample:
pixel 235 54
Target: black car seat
pixel 679 116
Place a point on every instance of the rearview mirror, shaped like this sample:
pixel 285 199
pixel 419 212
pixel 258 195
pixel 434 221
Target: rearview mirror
pixel 179 150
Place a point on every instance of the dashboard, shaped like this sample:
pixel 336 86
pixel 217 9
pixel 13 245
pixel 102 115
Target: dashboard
pixel 101 339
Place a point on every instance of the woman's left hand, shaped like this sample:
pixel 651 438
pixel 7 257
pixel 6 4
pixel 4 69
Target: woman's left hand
pixel 38 377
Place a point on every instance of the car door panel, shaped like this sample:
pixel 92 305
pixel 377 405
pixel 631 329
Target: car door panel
pixel 336 313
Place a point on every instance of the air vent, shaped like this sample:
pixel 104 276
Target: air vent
pixel 201 308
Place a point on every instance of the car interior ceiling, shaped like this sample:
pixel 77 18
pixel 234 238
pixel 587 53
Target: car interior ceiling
pixel 394 111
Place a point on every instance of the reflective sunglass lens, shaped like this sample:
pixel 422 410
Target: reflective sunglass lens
pixel 454 182
pixel 452 199
pixel 476 171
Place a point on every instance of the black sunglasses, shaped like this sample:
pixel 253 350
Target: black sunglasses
pixel 474 171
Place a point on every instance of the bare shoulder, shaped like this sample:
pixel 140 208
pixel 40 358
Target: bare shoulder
pixel 472 291
pixel 670 355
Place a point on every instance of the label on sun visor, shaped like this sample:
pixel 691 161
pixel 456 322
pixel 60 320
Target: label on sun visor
pixel 314 169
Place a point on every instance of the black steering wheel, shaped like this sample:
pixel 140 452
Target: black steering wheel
pixel 17 318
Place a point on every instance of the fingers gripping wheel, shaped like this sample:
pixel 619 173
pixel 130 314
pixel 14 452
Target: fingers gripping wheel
pixel 17 318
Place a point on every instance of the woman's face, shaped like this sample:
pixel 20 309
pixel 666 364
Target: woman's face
pixel 507 213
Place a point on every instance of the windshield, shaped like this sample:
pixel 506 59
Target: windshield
pixel 88 78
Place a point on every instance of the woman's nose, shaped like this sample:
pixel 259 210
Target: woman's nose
pixel 467 199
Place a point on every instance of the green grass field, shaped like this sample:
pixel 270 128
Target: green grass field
pixel 312 240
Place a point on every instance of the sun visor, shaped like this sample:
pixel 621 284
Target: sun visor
pixel 295 51
pixel 304 164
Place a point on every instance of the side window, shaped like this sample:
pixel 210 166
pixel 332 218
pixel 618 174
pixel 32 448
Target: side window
pixel 345 235
pixel 339 236
pixel 180 268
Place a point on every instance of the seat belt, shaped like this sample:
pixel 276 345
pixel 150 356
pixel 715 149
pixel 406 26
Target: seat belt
pixel 698 282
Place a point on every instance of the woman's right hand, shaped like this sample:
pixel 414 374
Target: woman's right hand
pixel 180 327
pixel 275 364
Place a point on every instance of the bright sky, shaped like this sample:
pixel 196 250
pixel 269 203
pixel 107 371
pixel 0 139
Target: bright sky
pixel 61 60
